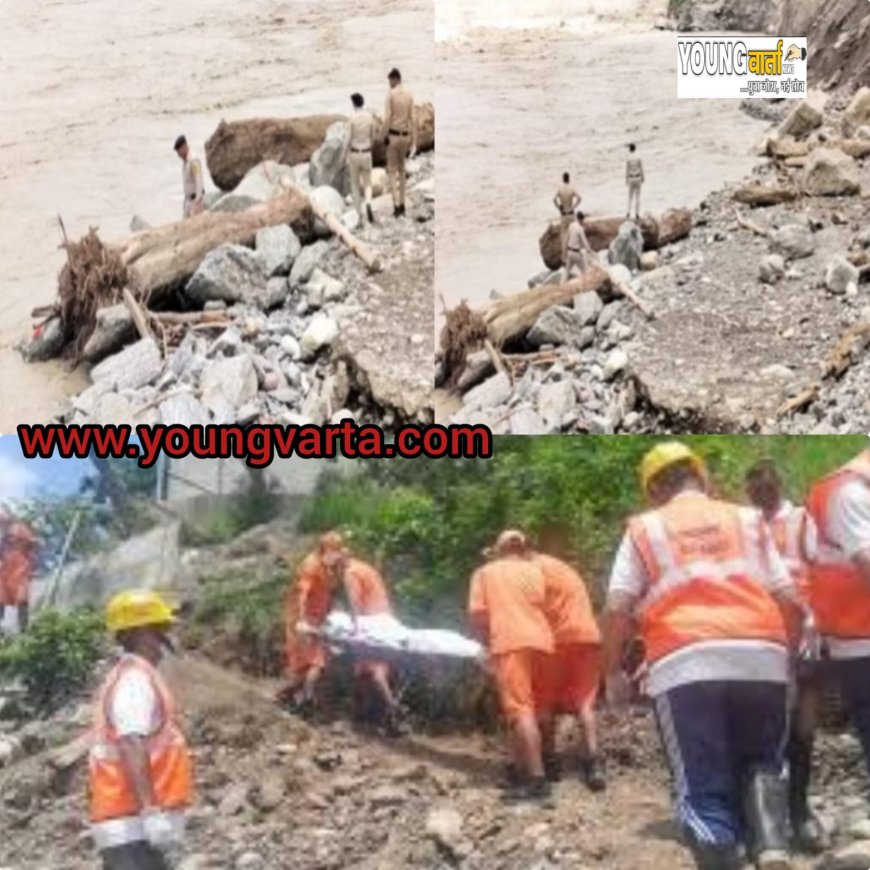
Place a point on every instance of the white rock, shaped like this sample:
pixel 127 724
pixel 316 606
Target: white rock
pixel 615 363
pixel 588 307
pixel 320 332
pixel 228 383
pixel 839 275
pixel 830 172
pixel 322 288
pixel 771 268
pixel 277 247
pixel 793 241
pixel 291 347
pixel 555 400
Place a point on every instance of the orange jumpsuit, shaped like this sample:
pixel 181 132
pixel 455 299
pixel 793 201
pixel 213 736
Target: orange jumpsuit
pixel 368 596
pixel 309 600
pixel 577 660
pixel 506 602
pixel 16 568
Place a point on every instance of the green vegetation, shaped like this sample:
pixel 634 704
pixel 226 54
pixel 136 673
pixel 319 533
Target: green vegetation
pixel 55 658
pixel 230 519
pixel 426 522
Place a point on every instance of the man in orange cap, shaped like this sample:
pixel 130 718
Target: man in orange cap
pixel 577 662
pixel 18 553
pixel 306 606
pixel 704 580
pixel 506 607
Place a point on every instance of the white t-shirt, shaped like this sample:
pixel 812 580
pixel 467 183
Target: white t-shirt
pixel 745 660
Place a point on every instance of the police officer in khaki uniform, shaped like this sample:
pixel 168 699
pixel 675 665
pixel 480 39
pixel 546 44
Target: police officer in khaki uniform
pixel 191 178
pixel 566 199
pixel 358 144
pixel 400 137
pixel 634 180
pixel 576 248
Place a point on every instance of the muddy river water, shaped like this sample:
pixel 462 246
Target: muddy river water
pixel 94 92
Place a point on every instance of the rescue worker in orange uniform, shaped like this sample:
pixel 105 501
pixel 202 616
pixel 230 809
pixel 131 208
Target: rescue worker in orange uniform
pixel 306 606
pixel 794 536
pixel 839 505
pixel 704 580
pixel 577 661
pixel 139 769
pixel 366 594
pixel 18 552
pixel 506 608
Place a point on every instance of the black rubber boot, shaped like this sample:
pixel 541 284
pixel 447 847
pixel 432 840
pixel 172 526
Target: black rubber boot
pixel 714 857
pixel 808 833
pixel 766 811
pixel 532 789
pixel 592 772
pixel 552 768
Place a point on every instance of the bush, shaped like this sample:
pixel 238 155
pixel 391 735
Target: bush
pixel 233 517
pixel 56 657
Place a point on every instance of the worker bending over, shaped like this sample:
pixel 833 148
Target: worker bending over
pixel 19 549
pixel 140 778
pixel 703 578
pixel 506 607
pixel 794 536
pixel 840 583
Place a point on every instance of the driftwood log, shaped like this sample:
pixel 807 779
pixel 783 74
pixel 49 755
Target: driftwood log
pixel 787 148
pixel 670 226
pixel 755 194
pixel 236 147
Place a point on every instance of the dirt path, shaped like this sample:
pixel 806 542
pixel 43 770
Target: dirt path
pixel 519 107
pixel 91 141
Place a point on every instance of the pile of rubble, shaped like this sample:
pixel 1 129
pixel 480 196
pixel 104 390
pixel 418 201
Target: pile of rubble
pixel 290 330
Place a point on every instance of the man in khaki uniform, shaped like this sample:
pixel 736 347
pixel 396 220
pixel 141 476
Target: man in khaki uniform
pixel 576 248
pixel 191 178
pixel 360 138
pixel 566 199
pixel 400 137
pixel 634 180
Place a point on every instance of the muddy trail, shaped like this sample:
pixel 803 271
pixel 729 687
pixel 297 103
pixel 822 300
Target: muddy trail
pixel 277 792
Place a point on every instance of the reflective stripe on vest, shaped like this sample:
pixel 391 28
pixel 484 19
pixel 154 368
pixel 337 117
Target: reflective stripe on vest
pixel 111 793
pixel 703 577
pixel 839 595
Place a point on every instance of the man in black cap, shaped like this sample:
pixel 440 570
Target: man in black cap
pixel 191 178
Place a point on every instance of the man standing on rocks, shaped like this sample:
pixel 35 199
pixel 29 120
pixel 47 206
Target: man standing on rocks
pixel 307 605
pixel 400 137
pixel 634 179
pixel 140 776
pixel 18 551
pixel 359 143
pixel 576 247
pixel 506 608
pixel 703 579
pixel 794 535
pixel 566 199
pixel 840 582
pixel 191 178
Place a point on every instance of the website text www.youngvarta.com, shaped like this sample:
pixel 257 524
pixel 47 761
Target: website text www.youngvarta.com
pixel 258 445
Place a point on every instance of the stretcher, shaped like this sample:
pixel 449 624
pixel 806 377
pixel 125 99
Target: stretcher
pixel 383 637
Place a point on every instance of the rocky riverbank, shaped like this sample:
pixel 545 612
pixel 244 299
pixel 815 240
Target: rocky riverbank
pixel 281 331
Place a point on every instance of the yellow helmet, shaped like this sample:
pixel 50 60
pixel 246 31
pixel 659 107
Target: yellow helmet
pixel 663 456
pixel 137 608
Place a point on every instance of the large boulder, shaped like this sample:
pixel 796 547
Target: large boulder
pixel 278 247
pixel 309 259
pixel 588 306
pixel 830 172
pixel 228 382
pixel 135 366
pixel 230 273
pixel 329 199
pixel 857 113
pixel 113 327
pixel 491 393
pixel 793 241
pixel 557 325
pixel 627 247
pixel 801 120
pixel 265 181
pixel 328 164
pixel 46 342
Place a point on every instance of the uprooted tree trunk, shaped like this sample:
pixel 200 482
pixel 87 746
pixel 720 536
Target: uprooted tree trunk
pixel 508 319
pixel 236 147
pixel 150 263
pixel 601 231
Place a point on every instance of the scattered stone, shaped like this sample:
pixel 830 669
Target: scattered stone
pixel 588 307
pixel 627 247
pixel 230 381
pixel 556 325
pixel 183 409
pixel 857 113
pixel 830 172
pixel 853 857
pixel 329 199
pixel 270 793
pixel 231 273
pixel 490 394
pixel 793 241
pixel 328 165
pixel 801 121
pixel 134 367
pixel 649 260
pixel 777 372
pixel 526 421
pixel 234 800
pixel 321 331
pixel 616 362
pixel 839 275
pixel 250 861
pixel 608 313
pixel 771 269
pixel 444 826
pixel 277 291
pixel 555 400
pixel 278 247
pixel 291 347
pixel 387 796
pixel 322 288
pixel 477 366
pixel 308 260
